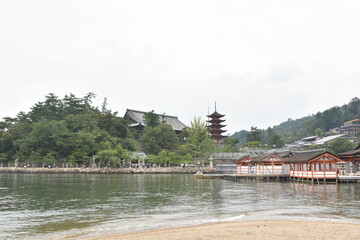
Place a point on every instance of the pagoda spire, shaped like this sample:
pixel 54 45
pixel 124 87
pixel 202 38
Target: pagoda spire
pixel 215 126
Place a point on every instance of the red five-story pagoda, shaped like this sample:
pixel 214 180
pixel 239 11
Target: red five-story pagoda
pixel 215 126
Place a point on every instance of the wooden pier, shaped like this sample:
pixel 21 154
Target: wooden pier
pixel 212 176
pixel 349 179
pixel 257 177
pixel 279 177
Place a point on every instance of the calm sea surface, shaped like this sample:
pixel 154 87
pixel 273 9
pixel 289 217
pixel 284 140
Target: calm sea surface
pixel 41 206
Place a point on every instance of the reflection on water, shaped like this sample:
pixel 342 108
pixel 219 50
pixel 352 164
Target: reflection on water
pixel 48 206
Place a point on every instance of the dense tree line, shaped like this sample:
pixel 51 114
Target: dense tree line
pixel 67 130
pixel 71 130
pixel 291 130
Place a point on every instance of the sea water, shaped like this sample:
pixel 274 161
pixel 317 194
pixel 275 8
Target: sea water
pixel 53 206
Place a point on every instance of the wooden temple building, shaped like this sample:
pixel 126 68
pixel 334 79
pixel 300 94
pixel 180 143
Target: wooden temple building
pixel 351 127
pixel 266 165
pixel 137 121
pixel 215 126
pixel 311 166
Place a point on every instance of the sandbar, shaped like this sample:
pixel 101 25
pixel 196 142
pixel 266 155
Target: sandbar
pixel 248 230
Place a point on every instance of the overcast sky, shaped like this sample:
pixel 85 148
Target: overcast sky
pixel 261 61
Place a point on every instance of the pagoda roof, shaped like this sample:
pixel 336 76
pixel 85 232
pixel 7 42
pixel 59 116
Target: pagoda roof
pixel 216 130
pixel 219 131
pixel 215 115
pixel 215 120
pixel 217 125
pixel 218 137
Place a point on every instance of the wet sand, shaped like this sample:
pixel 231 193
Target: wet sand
pixel 279 230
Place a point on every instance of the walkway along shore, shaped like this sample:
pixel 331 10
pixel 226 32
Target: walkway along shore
pixel 162 170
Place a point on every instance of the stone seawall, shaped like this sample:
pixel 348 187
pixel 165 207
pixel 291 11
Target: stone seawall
pixel 165 170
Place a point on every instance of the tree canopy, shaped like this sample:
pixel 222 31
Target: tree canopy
pixel 71 130
pixel 62 130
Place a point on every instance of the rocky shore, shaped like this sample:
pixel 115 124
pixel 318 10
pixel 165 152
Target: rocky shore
pixel 164 170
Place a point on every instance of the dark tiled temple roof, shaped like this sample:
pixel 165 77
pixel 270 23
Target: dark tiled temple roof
pixel 258 159
pixel 352 152
pixel 304 156
pixel 244 159
pixel 356 151
pixel 285 155
pixel 137 117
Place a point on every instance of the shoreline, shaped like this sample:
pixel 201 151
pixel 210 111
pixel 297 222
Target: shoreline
pixel 245 230
pixel 158 170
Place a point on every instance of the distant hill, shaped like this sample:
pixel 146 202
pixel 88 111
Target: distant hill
pixel 292 130
pixel 291 125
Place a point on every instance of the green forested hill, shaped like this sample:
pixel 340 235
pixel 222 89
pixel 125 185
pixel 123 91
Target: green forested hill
pixel 320 122
pixel 64 130
pixel 71 131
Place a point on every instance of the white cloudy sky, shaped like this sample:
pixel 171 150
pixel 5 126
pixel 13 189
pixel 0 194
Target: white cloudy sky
pixel 262 61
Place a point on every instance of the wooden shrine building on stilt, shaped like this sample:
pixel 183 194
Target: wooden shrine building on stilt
pixel 318 165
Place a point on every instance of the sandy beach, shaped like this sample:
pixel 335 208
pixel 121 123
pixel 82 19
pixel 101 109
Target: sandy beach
pixel 248 231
